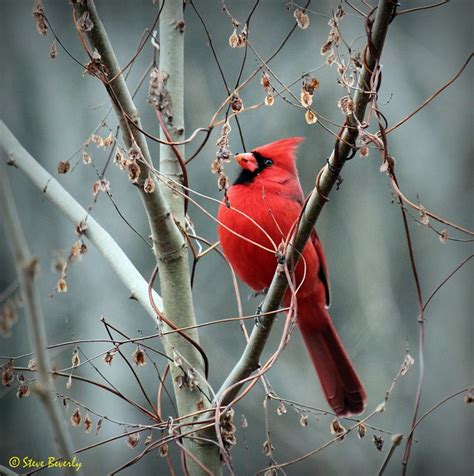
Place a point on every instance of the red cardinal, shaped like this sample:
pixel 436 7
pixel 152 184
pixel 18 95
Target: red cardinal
pixel 269 196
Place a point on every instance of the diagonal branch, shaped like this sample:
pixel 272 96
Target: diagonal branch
pixel 51 189
pixel 367 86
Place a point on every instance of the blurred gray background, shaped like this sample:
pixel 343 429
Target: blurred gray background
pixel 52 108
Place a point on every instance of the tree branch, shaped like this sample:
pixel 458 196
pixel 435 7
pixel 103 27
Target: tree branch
pixel 172 65
pixel 325 181
pixel 27 267
pixel 51 189
pixel 169 244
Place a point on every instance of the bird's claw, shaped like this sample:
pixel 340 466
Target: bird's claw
pixel 262 292
pixel 258 318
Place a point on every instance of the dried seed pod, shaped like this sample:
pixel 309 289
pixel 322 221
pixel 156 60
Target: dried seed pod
pixel 337 429
pixel 302 18
pixel 138 357
pixel 443 237
pixel 361 430
pixel 134 171
pixel 76 417
pixel 61 285
pixel 149 185
pixel 40 19
pixel 63 167
pixel 236 103
pixel 84 23
pixel 346 105
pixel 407 364
pixel 8 373
pixel 87 424
pixel 86 158
pixel 306 98
pixel 304 421
pixel 269 100
pixel 310 117
pixel 75 359
pixel 378 442
pixel 133 440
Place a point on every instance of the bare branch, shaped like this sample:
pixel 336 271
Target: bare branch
pixel 27 268
pixel 325 181
pixel 51 189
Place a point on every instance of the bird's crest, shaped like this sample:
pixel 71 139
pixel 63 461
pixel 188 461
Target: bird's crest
pixel 282 151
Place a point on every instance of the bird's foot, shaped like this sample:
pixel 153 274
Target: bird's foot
pixel 262 292
pixel 258 316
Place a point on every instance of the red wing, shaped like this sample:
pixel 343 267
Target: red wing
pixel 323 270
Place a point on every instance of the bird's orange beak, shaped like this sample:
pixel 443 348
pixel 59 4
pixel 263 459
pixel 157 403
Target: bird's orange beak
pixel 247 161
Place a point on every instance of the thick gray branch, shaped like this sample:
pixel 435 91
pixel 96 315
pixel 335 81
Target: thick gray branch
pixel 172 65
pixel 249 360
pixel 26 267
pixel 170 245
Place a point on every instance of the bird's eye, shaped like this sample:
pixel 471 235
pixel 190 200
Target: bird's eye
pixel 268 162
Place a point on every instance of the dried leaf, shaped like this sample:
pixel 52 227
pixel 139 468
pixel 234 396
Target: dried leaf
pixel 337 429
pixel 265 81
pixel 346 105
pixel 163 450
pixel 63 167
pixel 304 421
pixel 424 218
pixel 236 103
pixel 97 140
pixel 69 382
pixel 407 364
pixel 138 357
pixel 306 98
pixel 267 448
pixel 281 410
pixel 133 440
pixel 76 359
pixel 149 185
pixel 86 158
pixel 81 228
pixel 443 237
pixel 53 51
pixel 133 170
pixel 61 285
pixel 108 141
pixel 177 361
pixel 23 390
pixel 8 373
pixel 84 23
pixel 363 151
pixel 302 19
pixel 87 424
pixel 361 430
pixel 76 417
pixel 310 117
pixel 98 427
pixel 326 47
pixel 469 397
pixel 40 19
pixel 109 356
pixel 269 100
pixel 378 442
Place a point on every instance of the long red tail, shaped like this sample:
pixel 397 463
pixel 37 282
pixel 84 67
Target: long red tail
pixel 341 385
